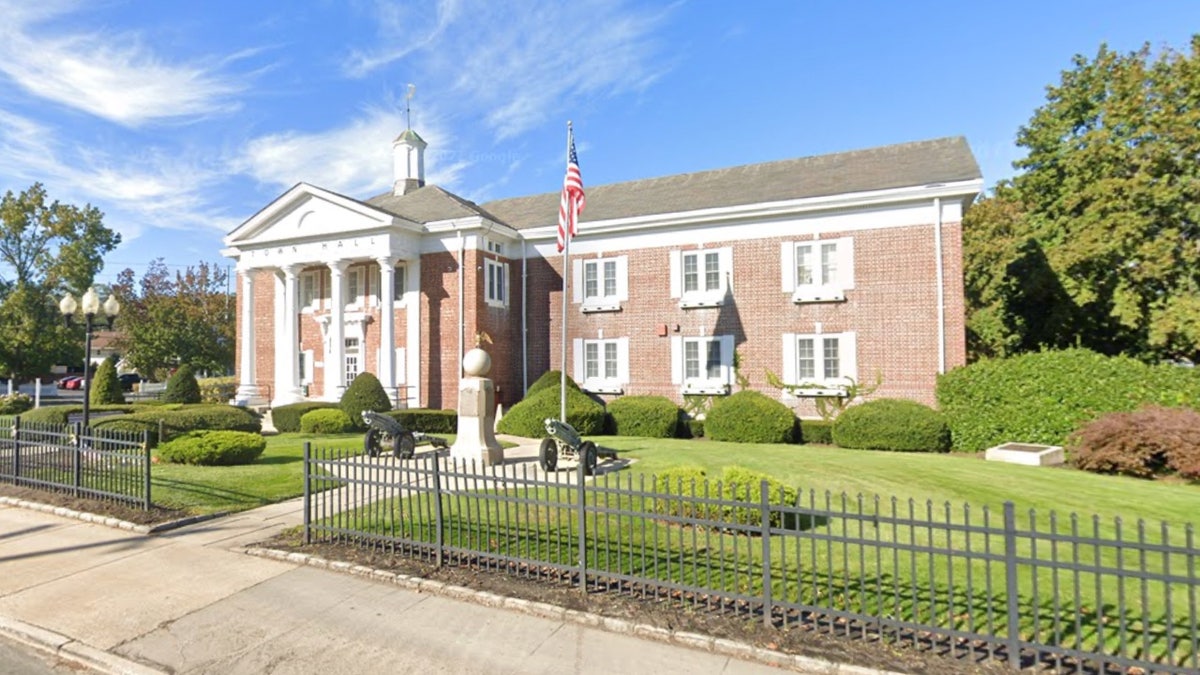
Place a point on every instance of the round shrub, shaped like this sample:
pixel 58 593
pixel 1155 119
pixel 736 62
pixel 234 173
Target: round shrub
pixel 364 393
pixel 326 421
pixel 213 448
pixel 1044 397
pixel 1143 443
pixel 15 404
pixel 751 417
pixel 892 424
pixel 182 386
pixel 649 416
pixel 105 387
pixel 286 418
pixel 550 379
pixel 525 418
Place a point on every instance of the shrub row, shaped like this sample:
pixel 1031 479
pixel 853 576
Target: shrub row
pixel 213 448
pixel 1044 397
pixel 286 418
pixel 426 420
pixel 175 422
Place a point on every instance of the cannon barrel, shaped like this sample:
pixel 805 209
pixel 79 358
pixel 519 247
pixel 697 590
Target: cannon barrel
pixel 563 432
pixel 384 423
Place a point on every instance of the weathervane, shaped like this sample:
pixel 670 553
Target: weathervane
pixel 412 89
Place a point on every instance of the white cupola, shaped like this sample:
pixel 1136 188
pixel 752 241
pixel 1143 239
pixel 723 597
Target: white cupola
pixel 408 162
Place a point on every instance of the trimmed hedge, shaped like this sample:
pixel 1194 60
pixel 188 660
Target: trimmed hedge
pixel 1044 397
pixel 892 424
pixel 60 414
pixel 525 418
pixel 550 379
pixel 364 393
pixel 816 431
pixel 185 419
pixel 182 386
pixel 426 420
pixel 1143 443
pixel 213 448
pixel 649 416
pixel 286 418
pixel 751 417
pixel 736 484
pixel 217 389
pixel 326 421
pixel 105 387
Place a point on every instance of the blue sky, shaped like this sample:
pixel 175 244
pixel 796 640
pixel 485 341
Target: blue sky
pixel 181 119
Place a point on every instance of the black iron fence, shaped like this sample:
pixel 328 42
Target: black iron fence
pixel 1077 594
pixel 93 463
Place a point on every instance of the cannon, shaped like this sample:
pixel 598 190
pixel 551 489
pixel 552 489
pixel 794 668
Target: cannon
pixel 385 432
pixel 565 443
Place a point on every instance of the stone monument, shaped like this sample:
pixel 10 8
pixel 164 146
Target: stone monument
pixel 477 411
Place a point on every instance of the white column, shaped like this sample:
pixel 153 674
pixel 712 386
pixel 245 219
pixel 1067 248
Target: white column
pixel 387 326
pixel 287 340
pixel 247 387
pixel 335 359
pixel 412 338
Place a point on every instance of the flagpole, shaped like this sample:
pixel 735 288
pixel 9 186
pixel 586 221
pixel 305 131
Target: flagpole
pixel 562 404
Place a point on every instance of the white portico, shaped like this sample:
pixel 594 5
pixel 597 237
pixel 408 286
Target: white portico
pixel 340 276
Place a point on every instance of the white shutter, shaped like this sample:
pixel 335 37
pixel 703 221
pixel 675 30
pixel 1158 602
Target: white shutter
pixel 577 349
pixel 676 271
pixel 789 358
pixel 577 281
pixel 727 358
pixel 623 360
pixel 725 261
pixel 308 366
pixel 848 353
pixel 787 266
pixel 623 278
pixel 401 366
pixel 846 262
pixel 676 359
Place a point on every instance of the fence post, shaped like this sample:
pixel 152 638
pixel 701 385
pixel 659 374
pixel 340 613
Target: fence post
pixel 438 523
pixel 764 503
pixel 146 466
pixel 16 432
pixel 580 494
pixel 1010 586
pixel 307 492
pixel 76 463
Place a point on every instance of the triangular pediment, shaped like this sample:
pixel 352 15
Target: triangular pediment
pixel 307 213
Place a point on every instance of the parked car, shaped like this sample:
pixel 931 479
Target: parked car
pixel 128 380
pixel 75 383
pixel 66 382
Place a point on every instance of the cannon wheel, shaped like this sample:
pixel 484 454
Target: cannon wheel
pixel 403 446
pixel 372 443
pixel 548 455
pixel 587 455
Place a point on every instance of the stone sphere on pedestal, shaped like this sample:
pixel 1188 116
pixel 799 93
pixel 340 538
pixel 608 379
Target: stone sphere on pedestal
pixel 477 363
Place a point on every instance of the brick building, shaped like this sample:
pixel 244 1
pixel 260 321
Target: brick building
pixel 819 270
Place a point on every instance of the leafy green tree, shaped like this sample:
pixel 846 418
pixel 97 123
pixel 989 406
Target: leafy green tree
pixel 106 388
pixel 1096 242
pixel 181 317
pixel 46 249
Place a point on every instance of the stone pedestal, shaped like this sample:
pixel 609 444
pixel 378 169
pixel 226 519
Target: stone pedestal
pixel 476 413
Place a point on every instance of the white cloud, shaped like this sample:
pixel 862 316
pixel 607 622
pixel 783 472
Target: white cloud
pixel 520 64
pixel 113 76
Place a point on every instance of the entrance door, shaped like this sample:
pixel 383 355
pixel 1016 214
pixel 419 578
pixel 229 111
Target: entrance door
pixel 353 359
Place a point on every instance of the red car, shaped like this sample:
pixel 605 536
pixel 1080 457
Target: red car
pixel 68 381
pixel 75 383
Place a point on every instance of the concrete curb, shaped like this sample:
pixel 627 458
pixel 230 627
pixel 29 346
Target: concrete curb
pixel 114 523
pixel 68 649
pixel 724 647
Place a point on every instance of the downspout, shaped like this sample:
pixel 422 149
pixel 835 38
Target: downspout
pixel 462 254
pixel 941 287
pixel 524 325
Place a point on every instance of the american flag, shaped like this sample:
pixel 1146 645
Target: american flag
pixel 571 203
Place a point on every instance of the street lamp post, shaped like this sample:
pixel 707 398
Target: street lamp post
pixel 91 309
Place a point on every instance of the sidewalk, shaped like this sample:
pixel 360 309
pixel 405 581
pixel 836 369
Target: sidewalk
pixel 192 601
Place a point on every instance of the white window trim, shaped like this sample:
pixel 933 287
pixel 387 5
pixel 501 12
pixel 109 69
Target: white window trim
pixel 314 302
pixel 307 377
pixel 817 292
pixel 399 272
pixel 488 290
pixel 602 385
pixel 702 386
pixel 820 386
pixel 702 298
pixel 603 303
pixel 355 303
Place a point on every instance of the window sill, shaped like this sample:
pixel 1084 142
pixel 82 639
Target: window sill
pixel 816 392
pixel 701 302
pixel 705 390
pixel 596 308
pixel 496 303
pixel 602 388
pixel 818 294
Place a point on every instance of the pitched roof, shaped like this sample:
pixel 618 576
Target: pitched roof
pixel 942 160
pixel 427 204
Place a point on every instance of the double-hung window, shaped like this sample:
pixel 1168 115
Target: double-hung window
pixel 702 365
pixel 701 278
pixel 309 285
pixel 495 282
pixel 354 285
pixel 817 363
pixel 819 270
pixel 399 282
pixel 602 365
pixel 600 284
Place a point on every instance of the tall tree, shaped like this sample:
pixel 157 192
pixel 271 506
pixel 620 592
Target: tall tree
pixel 46 249
pixel 172 319
pixel 1108 197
